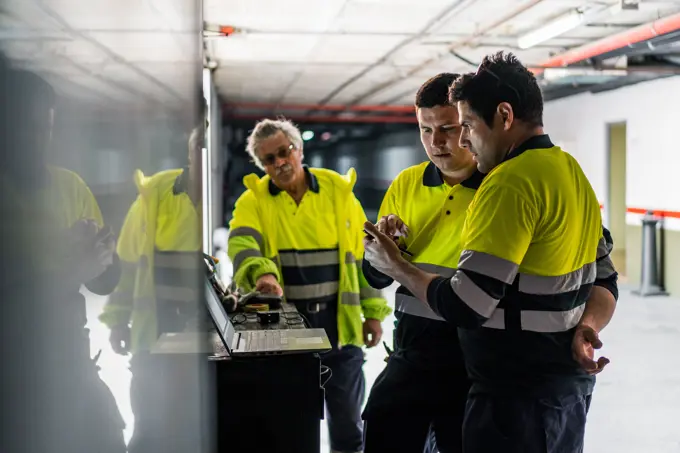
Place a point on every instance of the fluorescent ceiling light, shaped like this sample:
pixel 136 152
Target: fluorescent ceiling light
pixel 571 20
pixel 551 29
pixel 550 74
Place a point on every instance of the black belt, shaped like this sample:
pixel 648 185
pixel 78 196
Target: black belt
pixel 314 307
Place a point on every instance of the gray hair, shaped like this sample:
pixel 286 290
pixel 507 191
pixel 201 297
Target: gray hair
pixel 268 128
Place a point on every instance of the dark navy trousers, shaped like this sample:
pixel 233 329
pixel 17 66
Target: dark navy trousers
pixel 495 424
pixel 346 387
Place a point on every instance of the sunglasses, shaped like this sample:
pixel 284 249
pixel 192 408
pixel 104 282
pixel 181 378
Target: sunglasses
pixel 481 69
pixel 282 153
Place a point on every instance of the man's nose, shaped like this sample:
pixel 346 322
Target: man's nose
pixel 463 140
pixel 438 139
pixel 280 161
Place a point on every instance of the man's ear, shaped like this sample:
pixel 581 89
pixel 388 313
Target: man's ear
pixel 507 115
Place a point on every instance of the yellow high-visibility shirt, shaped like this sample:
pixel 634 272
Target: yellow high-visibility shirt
pixel 530 244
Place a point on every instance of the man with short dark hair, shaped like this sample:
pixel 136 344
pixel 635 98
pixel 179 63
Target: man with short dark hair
pixel 423 390
pixel 533 252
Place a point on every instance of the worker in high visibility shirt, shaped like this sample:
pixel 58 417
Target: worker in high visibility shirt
pixel 533 253
pixel 297 232
pixel 159 247
pixel 424 386
pixel 55 240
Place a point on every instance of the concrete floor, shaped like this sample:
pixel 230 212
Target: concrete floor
pixel 636 405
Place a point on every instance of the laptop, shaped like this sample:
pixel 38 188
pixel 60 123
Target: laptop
pixel 246 343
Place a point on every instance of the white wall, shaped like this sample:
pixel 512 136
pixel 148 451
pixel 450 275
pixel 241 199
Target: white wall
pixel 650 110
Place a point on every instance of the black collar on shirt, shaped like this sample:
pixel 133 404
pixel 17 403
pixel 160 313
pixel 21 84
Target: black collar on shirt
pixel 312 181
pixel 535 142
pixel 181 182
pixel 432 177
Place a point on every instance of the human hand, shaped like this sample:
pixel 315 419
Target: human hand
pixel 120 339
pixel 380 250
pixel 583 346
pixel 392 226
pixel 267 284
pixel 372 332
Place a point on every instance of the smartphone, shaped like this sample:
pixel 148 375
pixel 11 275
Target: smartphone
pixel 403 250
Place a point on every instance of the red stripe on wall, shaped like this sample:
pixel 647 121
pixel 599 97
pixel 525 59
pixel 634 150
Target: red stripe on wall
pixel 655 212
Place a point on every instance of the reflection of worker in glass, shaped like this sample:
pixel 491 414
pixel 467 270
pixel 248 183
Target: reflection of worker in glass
pixel 68 247
pixel 158 291
pixel 297 232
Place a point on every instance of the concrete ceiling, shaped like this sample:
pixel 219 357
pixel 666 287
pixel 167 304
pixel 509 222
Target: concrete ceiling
pixel 322 52
pixel 108 52
pixel 378 52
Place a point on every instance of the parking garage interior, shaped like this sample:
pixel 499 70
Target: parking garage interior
pixel 131 78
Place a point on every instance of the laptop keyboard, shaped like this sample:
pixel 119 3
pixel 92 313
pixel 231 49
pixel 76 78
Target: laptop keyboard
pixel 266 340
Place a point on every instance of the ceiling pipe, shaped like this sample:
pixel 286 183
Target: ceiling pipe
pixel 617 41
pixel 333 119
pixel 328 108
pixel 464 42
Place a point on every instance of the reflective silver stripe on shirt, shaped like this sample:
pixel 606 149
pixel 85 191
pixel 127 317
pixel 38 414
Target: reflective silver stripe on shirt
pixel 177 293
pixel 572 281
pixel 604 248
pixel 436 269
pixel 605 268
pixel 299 292
pixel 145 303
pixel 368 293
pixel 247 231
pixel 351 259
pixel 473 296
pixel 176 260
pixel 243 254
pixel 489 265
pixel 350 299
pixel 414 307
pixel 308 259
pixel 551 321
pixel 497 320
pixel 540 321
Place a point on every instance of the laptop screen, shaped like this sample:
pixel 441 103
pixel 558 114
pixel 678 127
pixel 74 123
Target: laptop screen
pixel 219 315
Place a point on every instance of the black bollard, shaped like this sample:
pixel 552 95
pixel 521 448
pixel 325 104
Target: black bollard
pixel 650 282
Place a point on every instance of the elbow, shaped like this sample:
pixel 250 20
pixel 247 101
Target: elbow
pixel 463 317
pixel 447 304
pixel 472 321
pixel 610 284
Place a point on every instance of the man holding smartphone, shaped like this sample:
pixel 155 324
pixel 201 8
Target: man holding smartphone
pixel 424 387
pixel 534 284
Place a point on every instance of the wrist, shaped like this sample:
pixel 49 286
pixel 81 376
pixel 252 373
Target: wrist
pixel 589 323
pixel 401 269
pixel 267 277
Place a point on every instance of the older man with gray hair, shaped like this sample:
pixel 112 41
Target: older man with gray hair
pixel 298 232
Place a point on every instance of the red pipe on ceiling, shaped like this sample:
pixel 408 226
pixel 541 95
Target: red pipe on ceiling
pixel 328 108
pixel 334 119
pixel 605 45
